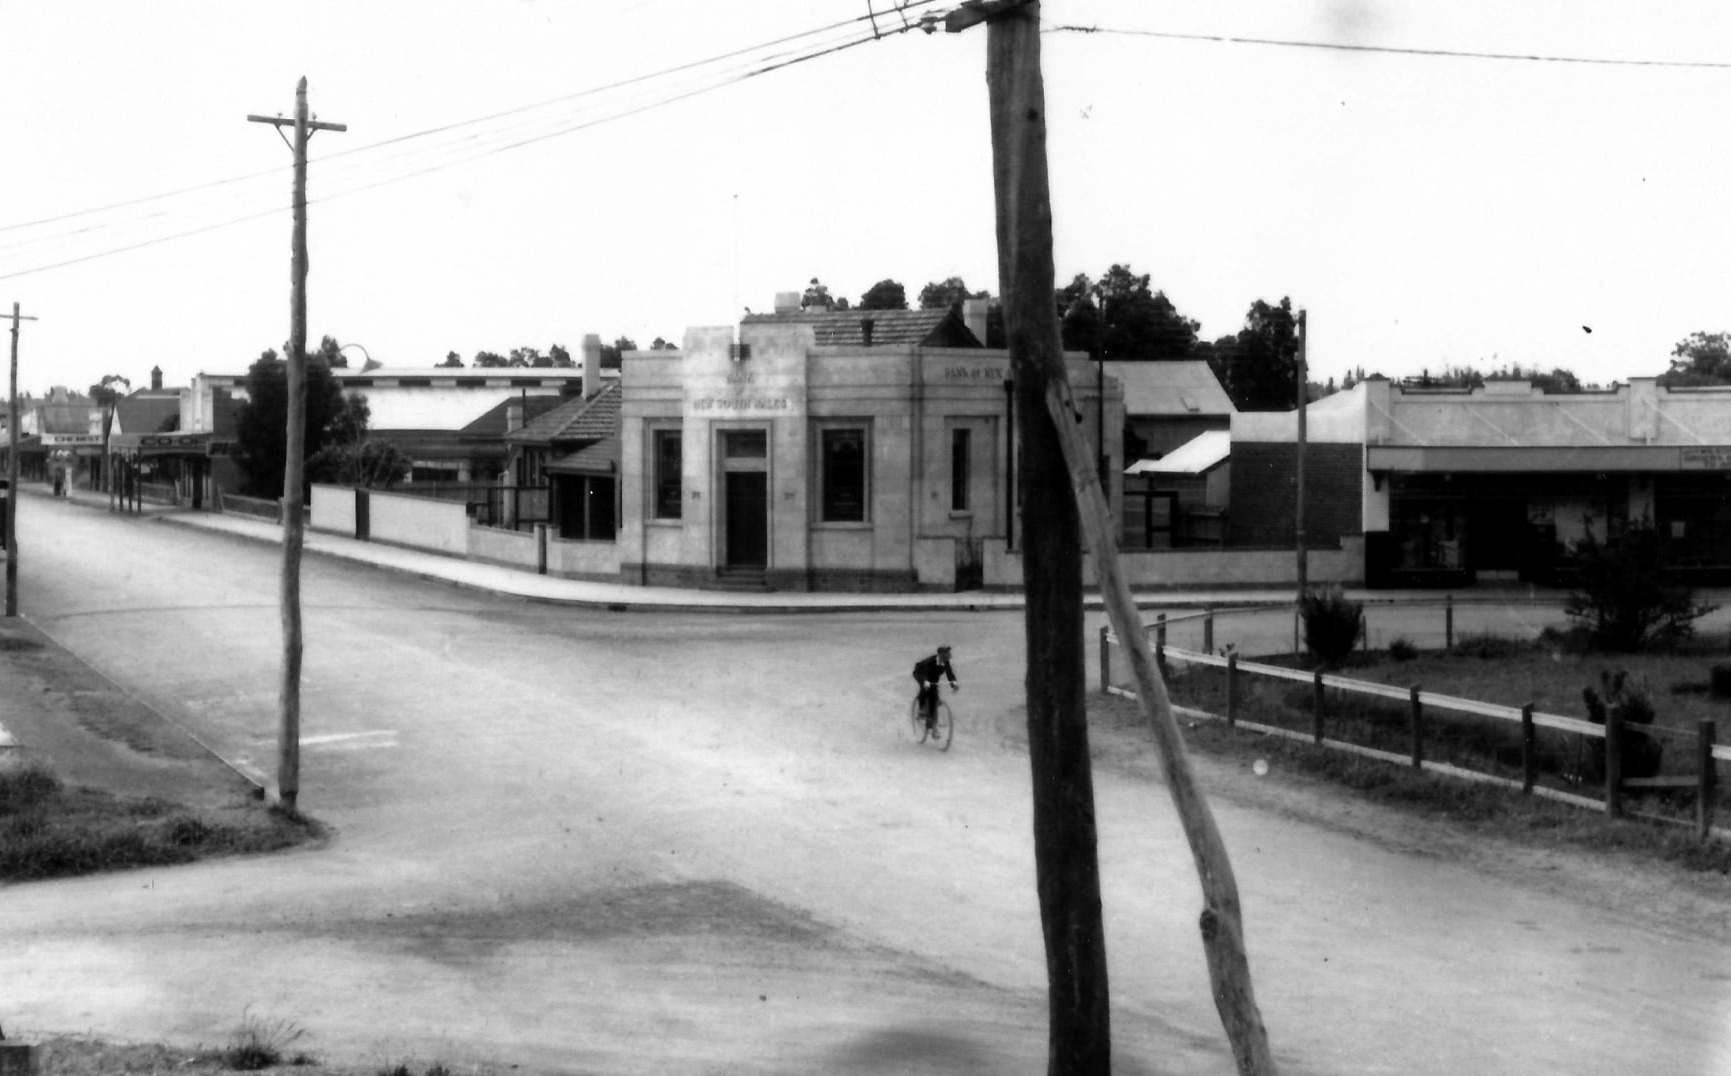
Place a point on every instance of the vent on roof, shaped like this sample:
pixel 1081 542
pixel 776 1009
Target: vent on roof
pixel 739 352
pixel 1189 404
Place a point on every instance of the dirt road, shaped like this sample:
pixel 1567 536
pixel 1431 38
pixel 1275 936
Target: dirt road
pixel 620 844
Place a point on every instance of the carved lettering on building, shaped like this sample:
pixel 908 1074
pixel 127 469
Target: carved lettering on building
pixel 741 403
pixel 973 373
pixel 1707 457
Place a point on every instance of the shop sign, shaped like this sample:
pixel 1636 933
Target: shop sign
pixel 1706 457
pixel 55 439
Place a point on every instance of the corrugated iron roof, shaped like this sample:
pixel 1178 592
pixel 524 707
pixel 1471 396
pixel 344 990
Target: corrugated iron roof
pixel 1200 454
pixel 1170 388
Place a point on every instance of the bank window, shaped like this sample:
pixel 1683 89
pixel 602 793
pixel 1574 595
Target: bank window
pixel 843 474
pixel 961 468
pixel 669 462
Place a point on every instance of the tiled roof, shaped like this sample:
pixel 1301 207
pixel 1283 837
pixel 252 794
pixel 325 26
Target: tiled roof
pixel 491 426
pixel 890 328
pixel 602 457
pixel 574 420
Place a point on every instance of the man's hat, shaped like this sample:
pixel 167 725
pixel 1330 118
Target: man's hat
pixel 943 650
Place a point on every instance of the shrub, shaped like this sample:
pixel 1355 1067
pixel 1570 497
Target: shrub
pixel 1622 597
pixel 1331 624
pixel 1641 752
pixel 1402 649
pixel 24 787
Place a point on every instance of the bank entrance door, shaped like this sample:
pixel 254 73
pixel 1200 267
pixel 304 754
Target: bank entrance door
pixel 745 508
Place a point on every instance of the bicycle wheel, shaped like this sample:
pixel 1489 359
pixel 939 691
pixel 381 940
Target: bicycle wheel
pixel 916 722
pixel 943 727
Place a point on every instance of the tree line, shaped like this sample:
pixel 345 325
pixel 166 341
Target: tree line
pixel 1120 317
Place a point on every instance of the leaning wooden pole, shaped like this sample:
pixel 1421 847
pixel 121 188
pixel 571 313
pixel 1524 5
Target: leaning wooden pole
pixel 1222 921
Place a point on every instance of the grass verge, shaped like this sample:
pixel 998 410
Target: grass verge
pixel 51 830
pixel 1487 810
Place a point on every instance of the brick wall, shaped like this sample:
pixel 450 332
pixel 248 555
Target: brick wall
pixel 1264 488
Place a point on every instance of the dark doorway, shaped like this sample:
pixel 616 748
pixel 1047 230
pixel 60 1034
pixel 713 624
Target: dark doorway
pixel 747 519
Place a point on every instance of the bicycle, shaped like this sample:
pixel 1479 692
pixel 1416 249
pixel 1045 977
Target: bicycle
pixel 941 727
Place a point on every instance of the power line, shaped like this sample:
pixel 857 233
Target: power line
pixel 1394 50
pixel 477 120
pixel 515 136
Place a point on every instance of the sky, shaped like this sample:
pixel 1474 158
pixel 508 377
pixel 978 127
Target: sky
pixel 523 172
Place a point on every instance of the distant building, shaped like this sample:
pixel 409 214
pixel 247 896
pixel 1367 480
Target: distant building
pixel 423 411
pixel 1446 486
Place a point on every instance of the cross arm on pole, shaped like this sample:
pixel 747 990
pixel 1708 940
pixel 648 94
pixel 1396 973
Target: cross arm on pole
pixel 289 121
pixel 977 11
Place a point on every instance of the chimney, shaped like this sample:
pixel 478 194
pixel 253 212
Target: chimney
pixel 974 317
pixel 514 415
pixel 866 325
pixel 156 377
pixel 787 302
pixel 591 365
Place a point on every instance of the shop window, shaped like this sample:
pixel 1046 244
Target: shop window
pixel 669 464
pixel 961 468
pixel 843 474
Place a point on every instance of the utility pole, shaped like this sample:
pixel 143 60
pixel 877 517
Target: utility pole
pixel 1066 855
pixel 12 474
pixel 294 496
pixel 1303 404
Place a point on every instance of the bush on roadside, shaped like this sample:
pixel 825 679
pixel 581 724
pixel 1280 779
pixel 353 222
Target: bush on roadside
pixel 1332 623
pixel 1622 597
pixel 1641 752
pixel 1402 649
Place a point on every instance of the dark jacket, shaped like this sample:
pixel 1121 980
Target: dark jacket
pixel 928 670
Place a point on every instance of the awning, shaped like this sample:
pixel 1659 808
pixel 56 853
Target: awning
pixel 203 443
pixel 1199 455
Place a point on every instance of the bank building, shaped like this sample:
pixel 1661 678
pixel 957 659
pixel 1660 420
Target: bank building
pixel 832 450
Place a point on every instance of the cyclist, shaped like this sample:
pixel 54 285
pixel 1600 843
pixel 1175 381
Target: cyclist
pixel 926 673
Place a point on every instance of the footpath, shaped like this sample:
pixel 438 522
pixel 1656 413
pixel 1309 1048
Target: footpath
pixel 620 597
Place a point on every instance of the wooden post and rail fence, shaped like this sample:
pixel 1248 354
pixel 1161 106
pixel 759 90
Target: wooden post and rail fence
pixel 1423 710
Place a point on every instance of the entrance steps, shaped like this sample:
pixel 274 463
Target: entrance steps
pixel 740 579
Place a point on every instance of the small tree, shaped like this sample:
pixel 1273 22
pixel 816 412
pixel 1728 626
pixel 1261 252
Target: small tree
pixel 1622 597
pixel 1331 624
